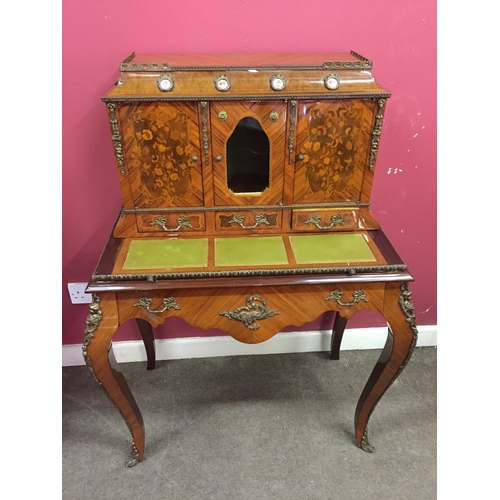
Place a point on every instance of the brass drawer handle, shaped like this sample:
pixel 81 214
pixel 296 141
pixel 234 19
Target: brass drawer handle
pixel 255 309
pixel 240 219
pixel 357 296
pixel 335 220
pixel 162 222
pixel 168 303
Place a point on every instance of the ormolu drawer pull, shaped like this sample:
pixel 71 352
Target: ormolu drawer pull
pixel 357 296
pixel 162 222
pixel 240 219
pixel 335 220
pixel 168 303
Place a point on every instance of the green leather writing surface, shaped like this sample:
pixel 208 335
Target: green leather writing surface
pixel 250 251
pixel 167 253
pixel 331 248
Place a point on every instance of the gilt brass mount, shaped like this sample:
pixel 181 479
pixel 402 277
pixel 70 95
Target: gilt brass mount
pixel 293 110
pixel 204 129
pixel 93 319
pixel 116 138
pixel 134 459
pixel 365 445
pixel 128 65
pixel 254 310
pixel 344 270
pixel 407 307
pixel 377 131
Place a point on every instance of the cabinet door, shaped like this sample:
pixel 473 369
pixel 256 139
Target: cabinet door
pixel 248 152
pixel 161 148
pixel 333 150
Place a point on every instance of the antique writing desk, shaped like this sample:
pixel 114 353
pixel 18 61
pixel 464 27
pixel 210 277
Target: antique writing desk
pixel 246 183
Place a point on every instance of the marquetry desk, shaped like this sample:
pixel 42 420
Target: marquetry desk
pixel 246 182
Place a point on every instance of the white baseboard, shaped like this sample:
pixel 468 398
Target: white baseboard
pixel 287 342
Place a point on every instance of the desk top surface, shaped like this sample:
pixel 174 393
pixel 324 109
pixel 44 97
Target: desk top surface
pixel 174 262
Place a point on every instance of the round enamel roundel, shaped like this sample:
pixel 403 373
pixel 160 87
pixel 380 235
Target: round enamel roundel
pixel 277 82
pixel 332 82
pixel 165 83
pixel 222 83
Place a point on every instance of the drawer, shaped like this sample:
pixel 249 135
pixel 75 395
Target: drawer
pixel 254 221
pixel 325 220
pixel 171 222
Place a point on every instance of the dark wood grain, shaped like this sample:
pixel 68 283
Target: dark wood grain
pixel 386 247
pixel 149 341
pixel 339 325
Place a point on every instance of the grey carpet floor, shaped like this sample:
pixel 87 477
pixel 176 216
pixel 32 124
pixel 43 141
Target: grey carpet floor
pixel 253 427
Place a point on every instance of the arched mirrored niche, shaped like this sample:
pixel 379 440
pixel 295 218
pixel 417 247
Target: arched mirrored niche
pixel 248 158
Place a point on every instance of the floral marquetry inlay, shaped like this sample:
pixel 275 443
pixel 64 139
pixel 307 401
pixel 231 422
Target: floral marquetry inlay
pixel 161 153
pixel 331 148
pixel 332 151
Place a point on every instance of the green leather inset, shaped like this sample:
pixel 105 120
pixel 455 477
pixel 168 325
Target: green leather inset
pixel 250 251
pixel 167 253
pixel 331 248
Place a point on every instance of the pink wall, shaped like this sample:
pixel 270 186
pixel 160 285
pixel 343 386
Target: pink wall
pixel 400 38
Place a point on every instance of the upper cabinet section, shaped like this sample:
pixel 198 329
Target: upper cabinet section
pixel 245 143
pixel 231 76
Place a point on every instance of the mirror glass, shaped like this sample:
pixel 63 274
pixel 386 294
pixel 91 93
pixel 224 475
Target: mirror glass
pixel 248 156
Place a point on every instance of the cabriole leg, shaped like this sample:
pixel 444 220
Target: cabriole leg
pixel 102 323
pixel 402 337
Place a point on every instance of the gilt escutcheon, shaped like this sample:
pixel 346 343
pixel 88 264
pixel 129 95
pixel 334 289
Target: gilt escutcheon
pixel 254 310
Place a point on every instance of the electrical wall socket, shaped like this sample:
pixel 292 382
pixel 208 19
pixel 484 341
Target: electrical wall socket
pixel 77 293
